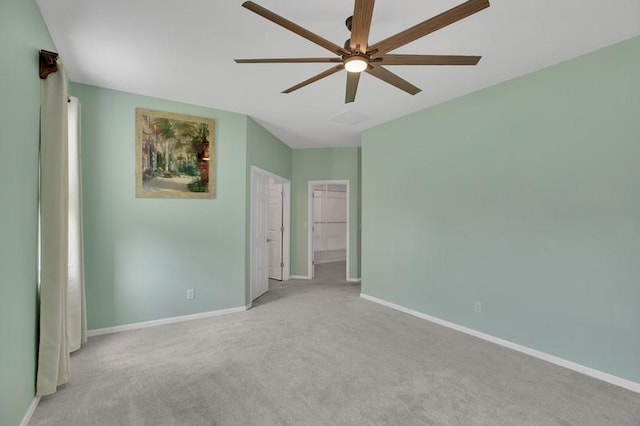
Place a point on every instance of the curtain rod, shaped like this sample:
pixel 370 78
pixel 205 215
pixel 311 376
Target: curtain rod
pixel 48 63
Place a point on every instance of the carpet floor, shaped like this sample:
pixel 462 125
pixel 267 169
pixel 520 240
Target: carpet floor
pixel 315 353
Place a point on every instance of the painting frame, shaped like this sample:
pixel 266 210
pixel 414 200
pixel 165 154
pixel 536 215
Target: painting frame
pixel 175 155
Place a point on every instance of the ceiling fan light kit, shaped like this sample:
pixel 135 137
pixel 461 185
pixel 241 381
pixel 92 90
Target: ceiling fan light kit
pixel 358 56
pixel 356 63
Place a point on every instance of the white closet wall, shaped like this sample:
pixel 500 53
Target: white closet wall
pixel 329 223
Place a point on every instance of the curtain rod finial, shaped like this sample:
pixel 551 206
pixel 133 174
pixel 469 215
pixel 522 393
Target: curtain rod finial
pixel 48 63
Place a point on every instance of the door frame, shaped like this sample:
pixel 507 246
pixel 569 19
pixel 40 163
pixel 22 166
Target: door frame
pixel 310 184
pixel 286 222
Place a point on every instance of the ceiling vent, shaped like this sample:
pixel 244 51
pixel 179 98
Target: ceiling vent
pixel 350 118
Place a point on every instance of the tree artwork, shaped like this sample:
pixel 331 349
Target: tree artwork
pixel 175 155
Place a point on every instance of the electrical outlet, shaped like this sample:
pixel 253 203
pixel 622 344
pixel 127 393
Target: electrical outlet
pixel 191 294
pixel 477 306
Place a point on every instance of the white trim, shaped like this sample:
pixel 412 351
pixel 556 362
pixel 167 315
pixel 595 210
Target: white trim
pixel 252 261
pixel 300 277
pixel 286 237
pixel 32 409
pixel 597 374
pixel 310 269
pixel 146 324
pixel 353 280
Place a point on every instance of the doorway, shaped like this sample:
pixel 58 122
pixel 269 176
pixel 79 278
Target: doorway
pixel 269 231
pixel 328 236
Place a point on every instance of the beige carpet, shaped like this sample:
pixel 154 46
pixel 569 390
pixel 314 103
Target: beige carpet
pixel 314 353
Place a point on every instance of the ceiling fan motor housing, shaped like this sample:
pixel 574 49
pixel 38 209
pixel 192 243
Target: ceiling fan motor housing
pixel 348 22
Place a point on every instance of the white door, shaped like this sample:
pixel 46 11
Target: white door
pixel 276 230
pixel 259 252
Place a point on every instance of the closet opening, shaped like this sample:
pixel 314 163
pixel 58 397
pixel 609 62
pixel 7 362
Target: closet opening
pixel 329 229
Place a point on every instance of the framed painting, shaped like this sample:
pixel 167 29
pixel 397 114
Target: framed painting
pixel 175 155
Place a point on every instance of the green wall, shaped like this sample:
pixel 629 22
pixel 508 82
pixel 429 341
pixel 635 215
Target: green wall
pixel 323 164
pixel 524 196
pixel 142 254
pixel 268 153
pixel 22 35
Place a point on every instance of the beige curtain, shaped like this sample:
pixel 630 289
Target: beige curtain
pixel 56 300
pixel 76 308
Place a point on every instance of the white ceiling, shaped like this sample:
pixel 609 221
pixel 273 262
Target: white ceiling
pixel 184 51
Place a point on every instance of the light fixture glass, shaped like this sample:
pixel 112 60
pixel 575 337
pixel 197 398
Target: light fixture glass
pixel 356 64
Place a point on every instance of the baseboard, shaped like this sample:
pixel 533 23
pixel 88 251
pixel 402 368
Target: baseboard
pixel 305 277
pixel 32 409
pixel 597 374
pixel 146 324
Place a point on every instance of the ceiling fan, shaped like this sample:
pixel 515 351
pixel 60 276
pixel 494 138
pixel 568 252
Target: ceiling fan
pixel 357 55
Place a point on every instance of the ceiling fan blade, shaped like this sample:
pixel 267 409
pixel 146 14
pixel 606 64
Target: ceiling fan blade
pixel 287 60
pixel 393 79
pixel 361 24
pixel 353 78
pixel 315 78
pixel 430 25
pixel 429 60
pixel 302 32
